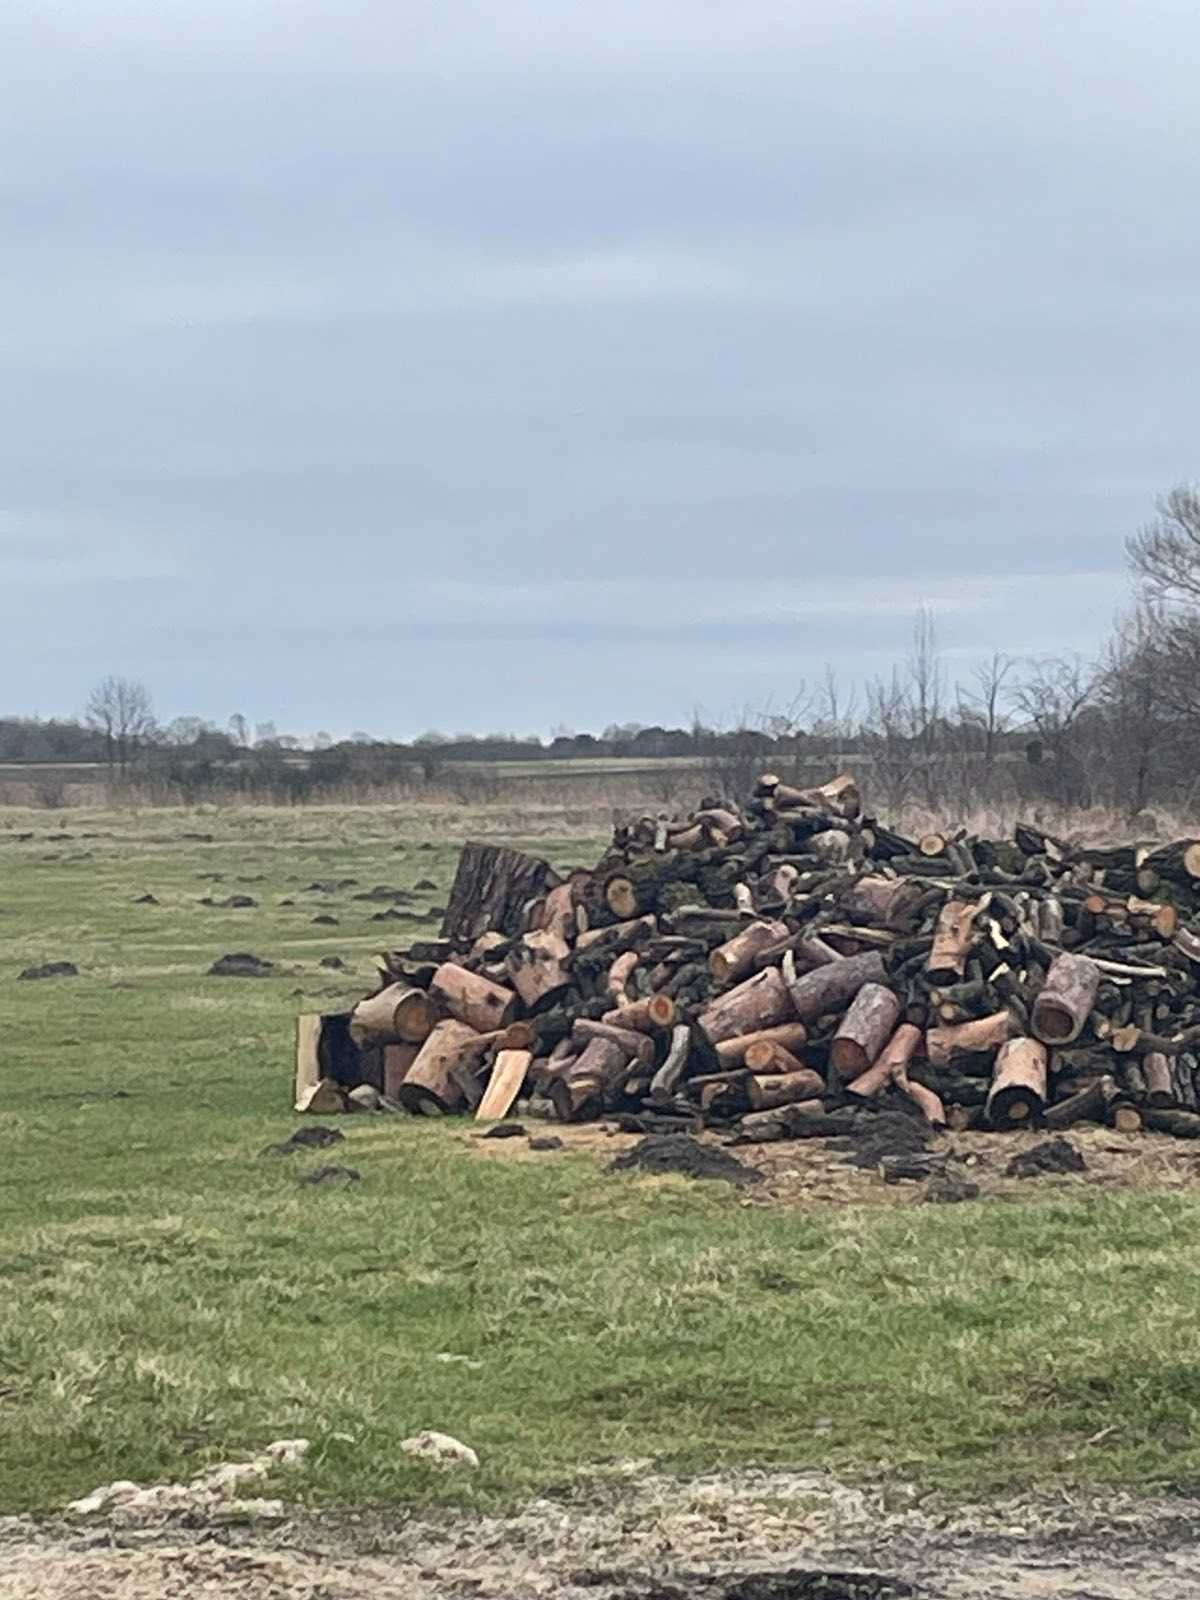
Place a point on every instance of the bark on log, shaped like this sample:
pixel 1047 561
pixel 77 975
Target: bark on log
pixel 880 902
pixel 619 975
pixel 927 1102
pixel 790 1035
pixel 865 1029
pixel 1018 1094
pixel 831 987
pixel 1159 1085
pixel 984 1035
pixel 472 999
pixel 806 1119
pixel 431 1085
pixel 766 1093
pixel 504 1085
pixel 557 912
pixel 651 1015
pixel 492 889
pixel 668 1077
pixel 581 1091
pixel 952 939
pixel 1066 999
pixel 398 1014
pixel 538 967
pixel 397 1059
pixel 1089 1104
pixel 759 1002
pixel 771 1059
pixel 735 958
pixel 616 934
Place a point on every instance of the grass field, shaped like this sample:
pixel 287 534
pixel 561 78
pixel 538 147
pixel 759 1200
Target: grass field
pixel 170 1297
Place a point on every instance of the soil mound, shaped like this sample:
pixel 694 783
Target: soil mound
pixel 661 1153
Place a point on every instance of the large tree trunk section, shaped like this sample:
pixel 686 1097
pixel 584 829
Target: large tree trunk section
pixel 396 1015
pixel 952 940
pixel 504 1085
pixel 892 1060
pixel 981 1037
pixel 1179 862
pixel 1017 1097
pixel 473 999
pixel 431 1085
pixel 493 888
pixel 788 1035
pixel 766 1093
pixel 831 987
pixel 735 958
pixel 656 1012
pixel 881 902
pixel 537 967
pixel 1066 999
pixel 759 1002
pixel 582 1090
pixel 865 1029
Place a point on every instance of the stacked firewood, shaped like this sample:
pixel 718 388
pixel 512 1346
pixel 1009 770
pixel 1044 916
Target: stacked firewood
pixel 774 967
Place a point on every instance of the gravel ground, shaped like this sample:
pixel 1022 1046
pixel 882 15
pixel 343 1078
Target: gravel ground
pixel 634 1536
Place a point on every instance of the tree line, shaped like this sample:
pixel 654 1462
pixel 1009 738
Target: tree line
pixel 1120 729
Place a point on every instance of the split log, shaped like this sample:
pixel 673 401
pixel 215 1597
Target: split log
pixel 831 987
pixel 759 1002
pixel 324 1098
pixel 538 967
pixel 953 938
pixel 397 1059
pixel 790 1035
pixel 431 1085
pixel 982 1036
pixel 770 1058
pixel 1018 1093
pixel 735 958
pixel 766 1093
pixel 504 1085
pixel 557 911
pixel 865 1029
pixel 396 1015
pixel 637 1046
pixel 308 1058
pixel 668 1077
pixel 892 1059
pixel 493 888
pixel 472 999
pixel 1066 999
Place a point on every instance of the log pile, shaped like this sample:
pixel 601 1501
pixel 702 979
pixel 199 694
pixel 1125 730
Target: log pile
pixel 777 968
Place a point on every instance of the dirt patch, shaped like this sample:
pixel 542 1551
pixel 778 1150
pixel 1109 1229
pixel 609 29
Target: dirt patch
pixel 332 1177
pixel 50 969
pixel 630 1534
pixel 660 1153
pixel 306 1138
pixel 1055 1155
pixel 890 1133
pixel 241 964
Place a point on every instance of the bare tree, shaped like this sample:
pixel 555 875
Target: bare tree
pixel 239 730
pixel 982 707
pixel 1165 554
pixel 925 683
pixel 120 709
pixel 1054 697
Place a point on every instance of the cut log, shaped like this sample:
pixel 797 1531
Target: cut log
pixel 619 975
pixel 656 1012
pixel 431 1085
pixel 493 888
pixel 581 1091
pixel 1089 1104
pixel 397 1059
pixel 892 1059
pixel 1159 1084
pixel 865 1029
pixel 537 966
pixel 832 846
pixel 927 1102
pixel 396 1015
pixel 839 798
pixel 472 999
pixel 557 911
pixel 766 1093
pixel 791 1035
pixel 953 938
pixel 759 1002
pixel 805 1119
pixel 1179 862
pixel 735 958
pixel 932 844
pixel 669 1076
pixel 770 1058
pixel 504 1085
pixel 982 1036
pixel 308 1057
pixel 637 1046
pixel 831 987
pixel 1066 999
pixel 1018 1094
pixel 324 1098
pixel 616 934
pixel 881 902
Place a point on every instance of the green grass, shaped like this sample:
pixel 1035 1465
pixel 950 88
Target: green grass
pixel 169 1297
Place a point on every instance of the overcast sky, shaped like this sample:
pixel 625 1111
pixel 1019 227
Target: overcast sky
pixel 485 364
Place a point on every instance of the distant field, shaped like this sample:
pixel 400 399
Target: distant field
pixel 170 1297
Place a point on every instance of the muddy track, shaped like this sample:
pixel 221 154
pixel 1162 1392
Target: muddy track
pixel 754 1536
